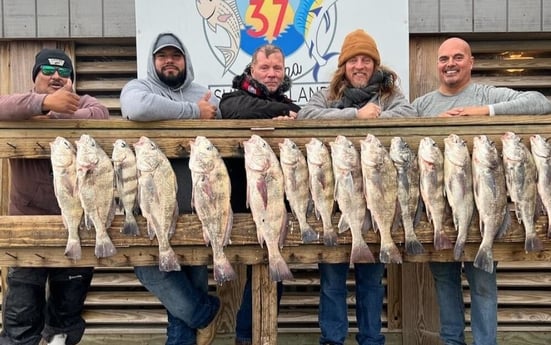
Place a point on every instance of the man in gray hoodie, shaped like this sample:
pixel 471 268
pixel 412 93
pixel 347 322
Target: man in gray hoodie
pixel 168 93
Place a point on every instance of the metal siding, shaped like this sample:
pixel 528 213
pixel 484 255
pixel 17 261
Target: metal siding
pixel 119 18
pixel 1 20
pixel 52 18
pixel 86 18
pixel 525 16
pixel 490 16
pixel 19 18
pixel 456 15
pixel 423 16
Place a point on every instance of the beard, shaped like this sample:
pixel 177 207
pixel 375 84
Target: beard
pixel 172 80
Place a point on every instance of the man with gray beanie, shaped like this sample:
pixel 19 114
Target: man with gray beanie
pixel 28 317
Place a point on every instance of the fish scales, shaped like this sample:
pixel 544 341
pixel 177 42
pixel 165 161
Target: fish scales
pixel 407 168
pixel 347 171
pixel 322 187
pixel 381 194
pixel 431 185
pixel 211 193
pixel 157 189
pixel 95 185
pixel 297 191
pixel 541 151
pixel 490 196
pixel 126 183
pixel 265 198
pixel 458 183
pixel 63 158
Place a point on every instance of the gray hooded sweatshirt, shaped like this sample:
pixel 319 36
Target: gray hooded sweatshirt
pixel 149 99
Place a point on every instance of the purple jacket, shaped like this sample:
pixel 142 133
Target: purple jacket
pixel 32 187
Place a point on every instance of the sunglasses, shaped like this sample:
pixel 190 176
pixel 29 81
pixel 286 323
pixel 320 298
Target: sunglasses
pixel 50 70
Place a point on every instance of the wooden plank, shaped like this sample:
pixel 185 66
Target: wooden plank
pixel 106 67
pixel 423 54
pixel 489 16
pixel 456 16
pixel 101 85
pixel 19 18
pixel 22 56
pixel 495 64
pixel 119 18
pixel 86 18
pixel 524 16
pixel 52 18
pixel 499 46
pixel 424 16
pixel 514 82
pixel 126 48
pixel 112 103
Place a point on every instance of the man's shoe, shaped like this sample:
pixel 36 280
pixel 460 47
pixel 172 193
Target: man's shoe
pixel 206 335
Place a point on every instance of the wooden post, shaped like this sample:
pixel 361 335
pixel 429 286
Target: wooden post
pixel 264 306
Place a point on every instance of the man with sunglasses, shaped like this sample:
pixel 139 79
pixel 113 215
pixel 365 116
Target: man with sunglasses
pixel 28 317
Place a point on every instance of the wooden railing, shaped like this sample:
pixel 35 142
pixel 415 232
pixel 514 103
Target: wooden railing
pixel 40 240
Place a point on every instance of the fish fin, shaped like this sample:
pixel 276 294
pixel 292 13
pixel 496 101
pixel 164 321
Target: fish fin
pixel 504 225
pixel 367 224
pixel 104 247
pixel 168 261
pixel 343 224
pixel 279 270
pixel 130 226
pixel 389 253
pixel 413 246
pixel 73 250
pixel 308 234
pixel 223 271
pixel 458 250
pixel 361 253
pixel 484 259
pixel 262 188
pixel 283 230
pixel 441 241
pixel 532 243
pixel 418 212
pixel 397 221
pixel 173 221
pixel 228 228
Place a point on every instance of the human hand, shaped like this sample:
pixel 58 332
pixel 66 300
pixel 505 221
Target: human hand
pixel 206 109
pixel 284 117
pixel 467 111
pixel 369 111
pixel 61 101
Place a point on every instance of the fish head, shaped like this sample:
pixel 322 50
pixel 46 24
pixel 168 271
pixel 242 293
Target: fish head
pixel 203 154
pixel 257 153
pixel 485 151
pixel 456 150
pixel 207 8
pixel 121 150
pixel 316 152
pixel 289 152
pixel 400 152
pixel 87 151
pixel 513 148
pixel 62 152
pixel 343 153
pixel 148 154
pixel 429 151
pixel 372 151
pixel 540 146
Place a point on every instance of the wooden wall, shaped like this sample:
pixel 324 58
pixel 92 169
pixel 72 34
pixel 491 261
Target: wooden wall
pixel 116 18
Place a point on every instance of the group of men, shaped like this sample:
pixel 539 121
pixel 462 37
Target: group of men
pixel 361 87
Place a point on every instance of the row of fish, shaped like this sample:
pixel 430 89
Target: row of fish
pixel 84 179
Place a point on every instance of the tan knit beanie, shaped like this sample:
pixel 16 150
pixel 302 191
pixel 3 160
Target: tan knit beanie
pixel 359 42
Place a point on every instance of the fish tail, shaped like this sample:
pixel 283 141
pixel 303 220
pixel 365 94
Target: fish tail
pixel 104 247
pixel 223 271
pixel 329 237
pixel 361 254
pixel 130 226
pixel 73 250
pixel 441 240
pixel 413 246
pixel 279 270
pixel 458 249
pixel 484 259
pixel 390 254
pixel 532 243
pixel 168 261
pixel 308 234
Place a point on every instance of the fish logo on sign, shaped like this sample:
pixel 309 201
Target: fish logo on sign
pixel 303 29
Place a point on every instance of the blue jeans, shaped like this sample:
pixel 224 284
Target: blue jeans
pixel 244 317
pixel 483 288
pixel 185 296
pixel 333 311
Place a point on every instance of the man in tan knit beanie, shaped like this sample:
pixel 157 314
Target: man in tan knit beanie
pixel 359 42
